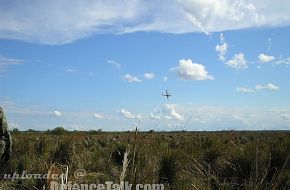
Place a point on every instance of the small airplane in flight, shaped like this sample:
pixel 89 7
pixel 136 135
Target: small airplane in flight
pixel 166 94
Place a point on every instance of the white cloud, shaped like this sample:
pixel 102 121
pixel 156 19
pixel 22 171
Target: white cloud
pixel 70 70
pixel 99 116
pixel 75 126
pixel 238 62
pixel 203 118
pixel 130 78
pixel 265 58
pixel 245 118
pixel 284 61
pixel 169 111
pixel 268 86
pixel 149 76
pixel 128 115
pixel 165 79
pixel 59 22
pixel 220 15
pixel 55 22
pixel 286 116
pixel 57 113
pixel 117 65
pixel 14 125
pixel 236 118
pixel 188 70
pixel 245 90
pixel 6 62
pixel 222 48
pixel 154 116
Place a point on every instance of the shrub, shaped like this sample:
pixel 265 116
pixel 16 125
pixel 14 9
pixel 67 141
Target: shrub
pixel 15 131
pixel 59 131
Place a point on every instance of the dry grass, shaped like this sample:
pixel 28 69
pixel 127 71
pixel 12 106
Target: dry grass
pixel 180 160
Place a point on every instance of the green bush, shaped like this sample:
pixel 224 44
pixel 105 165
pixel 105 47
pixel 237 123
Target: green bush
pixel 59 131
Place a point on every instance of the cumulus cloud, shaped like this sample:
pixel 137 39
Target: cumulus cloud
pixel 6 62
pixel 268 86
pixel 128 115
pixel 222 48
pixel 57 113
pixel 245 90
pixel 55 22
pixel 169 111
pixel 149 76
pixel 265 58
pixel 130 78
pixel 238 62
pixel 187 70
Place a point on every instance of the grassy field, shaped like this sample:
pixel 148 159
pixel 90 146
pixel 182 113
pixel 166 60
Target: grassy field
pixel 179 160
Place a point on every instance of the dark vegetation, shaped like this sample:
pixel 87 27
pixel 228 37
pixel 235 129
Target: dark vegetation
pixel 180 160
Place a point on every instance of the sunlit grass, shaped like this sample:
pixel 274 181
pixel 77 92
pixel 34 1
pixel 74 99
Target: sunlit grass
pixel 180 160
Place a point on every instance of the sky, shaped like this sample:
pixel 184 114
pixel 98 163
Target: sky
pixel 89 65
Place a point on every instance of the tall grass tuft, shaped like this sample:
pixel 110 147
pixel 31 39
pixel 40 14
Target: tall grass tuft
pixel 63 153
pixel 168 169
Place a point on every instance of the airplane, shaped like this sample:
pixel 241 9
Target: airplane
pixel 167 95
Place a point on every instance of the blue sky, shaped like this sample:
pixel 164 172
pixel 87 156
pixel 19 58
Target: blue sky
pixel 104 65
